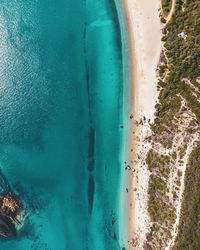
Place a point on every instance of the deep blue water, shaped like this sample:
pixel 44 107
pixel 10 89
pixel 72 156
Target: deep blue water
pixel 61 88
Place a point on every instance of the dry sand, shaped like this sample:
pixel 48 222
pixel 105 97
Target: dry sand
pixel 145 38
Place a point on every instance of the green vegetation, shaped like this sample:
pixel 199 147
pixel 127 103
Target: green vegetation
pixel 189 226
pixel 163 20
pixel 158 163
pixel 166 6
pixel 160 211
pixel 174 155
pixel 158 183
pixel 159 208
pixel 183 62
pixel 182 151
pixel 164 116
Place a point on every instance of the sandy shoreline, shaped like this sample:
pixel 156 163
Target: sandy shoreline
pixel 145 41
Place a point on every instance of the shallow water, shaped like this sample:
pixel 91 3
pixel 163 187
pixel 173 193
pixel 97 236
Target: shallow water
pixel 61 92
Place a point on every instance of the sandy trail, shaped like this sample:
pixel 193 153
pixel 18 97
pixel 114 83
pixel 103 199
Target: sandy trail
pixel 171 11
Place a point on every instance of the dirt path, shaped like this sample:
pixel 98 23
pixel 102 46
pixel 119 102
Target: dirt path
pixel 171 11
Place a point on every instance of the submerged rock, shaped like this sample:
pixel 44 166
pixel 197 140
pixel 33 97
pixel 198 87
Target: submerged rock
pixel 91 190
pixel 10 209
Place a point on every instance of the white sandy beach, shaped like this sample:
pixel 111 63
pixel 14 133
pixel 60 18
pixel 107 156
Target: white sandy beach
pixel 145 38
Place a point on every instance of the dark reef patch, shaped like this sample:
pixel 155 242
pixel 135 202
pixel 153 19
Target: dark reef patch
pixel 91 190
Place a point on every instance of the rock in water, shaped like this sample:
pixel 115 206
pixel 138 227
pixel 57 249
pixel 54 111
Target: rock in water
pixel 10 209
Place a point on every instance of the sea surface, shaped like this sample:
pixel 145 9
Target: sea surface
pixel 61 105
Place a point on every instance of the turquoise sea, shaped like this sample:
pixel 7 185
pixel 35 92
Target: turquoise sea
pixel 61 108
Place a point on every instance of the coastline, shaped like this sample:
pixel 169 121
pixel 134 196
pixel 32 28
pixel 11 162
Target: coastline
pixel 124 119
pixel 145 47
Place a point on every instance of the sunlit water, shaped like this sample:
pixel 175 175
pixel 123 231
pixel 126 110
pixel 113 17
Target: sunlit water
pixel 61 93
